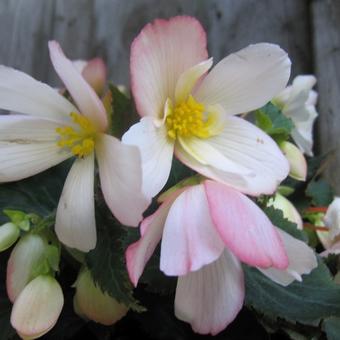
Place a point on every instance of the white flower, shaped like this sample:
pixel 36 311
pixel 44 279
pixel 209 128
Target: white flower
pixel 297 102
pixel 191 113
pixel 51 130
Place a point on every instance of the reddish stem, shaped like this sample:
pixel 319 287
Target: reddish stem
pixel 314 227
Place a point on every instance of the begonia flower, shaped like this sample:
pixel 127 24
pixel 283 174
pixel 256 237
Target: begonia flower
pixel 189 112
pixel 207 230
pixel 51 129
pixel 297 102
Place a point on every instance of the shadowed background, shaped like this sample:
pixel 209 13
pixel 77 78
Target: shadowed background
pixel 309 30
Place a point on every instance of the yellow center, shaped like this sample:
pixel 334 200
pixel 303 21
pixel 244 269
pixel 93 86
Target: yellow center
pixel 189 118
pixel 80 141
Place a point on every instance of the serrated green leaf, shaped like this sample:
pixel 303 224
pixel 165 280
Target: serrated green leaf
pixel 316 297
pixel 276 217
pixel 270 119
pixel 123 113
pixel 320 192
pixel 107 260
pixel 331 326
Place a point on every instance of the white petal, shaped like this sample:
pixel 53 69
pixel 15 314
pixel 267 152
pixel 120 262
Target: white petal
pixel 28 146
pixel 75 221
pixel 302 260
pixel 120 174
pixel 210 298
pixel 244 147
pixel 160 53
pixel 156 152
pixel 247 79
pixel 86 99
pixel 332 218
pixel 21 93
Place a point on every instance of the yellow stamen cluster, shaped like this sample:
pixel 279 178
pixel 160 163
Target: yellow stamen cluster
pixel 187 119
pixel 80 141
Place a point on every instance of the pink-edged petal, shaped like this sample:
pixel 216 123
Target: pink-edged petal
pixel 156 152
pixel 302 260
pixel 75 223
pixel 37 308
pixel 190 239
pixel 28 145
pixel 120 175
pixel 210 298
pixel 247 79
pixel 86 99
pixel 161 52
pixel 244 227
pixel 241 146
pixel 189 78
pixel 21 93
pixel 138 254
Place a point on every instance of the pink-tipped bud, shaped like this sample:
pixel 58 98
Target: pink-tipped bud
pixel 90 302
pixel 24 260
pixel 95 74
pixel 37 308
pixel 9 233
pixel 289 211
pixel 296 159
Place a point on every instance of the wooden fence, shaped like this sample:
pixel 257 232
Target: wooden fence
pixel 308 30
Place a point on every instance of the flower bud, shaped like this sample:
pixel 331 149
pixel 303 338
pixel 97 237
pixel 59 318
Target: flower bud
pixel 289 211
pixel 37 308
pixel 296 159
pixel 332 218
pixel 90 301
pixel 25 258
pixel 95 74
pixel 9 233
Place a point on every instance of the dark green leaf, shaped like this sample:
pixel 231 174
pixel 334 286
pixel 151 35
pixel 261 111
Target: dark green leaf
pixel 332 328
pixel 107 260
pixel 270 119
pixel 38 194
pixel 6 331
pixel 320 192
pixel 276 217
pixel 123 113
pixel 315 298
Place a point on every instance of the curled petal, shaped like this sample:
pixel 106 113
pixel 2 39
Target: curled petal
pixel 302 260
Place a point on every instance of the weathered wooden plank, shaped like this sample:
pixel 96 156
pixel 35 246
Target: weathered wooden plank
pixel 326 28
pixel 86 28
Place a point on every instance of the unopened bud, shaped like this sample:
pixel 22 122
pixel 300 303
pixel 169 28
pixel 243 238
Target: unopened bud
pixel 37 308
pixel 95 74
pixel 91 302
pixel 296 159
pixel 25 258
pixel 9 233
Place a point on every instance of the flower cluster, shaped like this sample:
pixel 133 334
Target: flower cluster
pixel 209 224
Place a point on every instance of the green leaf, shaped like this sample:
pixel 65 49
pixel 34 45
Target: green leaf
pixel 276 217
pixel 6 331
pixel 332 328
pixel 320 192
pixel 316 297
pixel 107 260
pixel 270 119
pixel 38 194
pixel 123 113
